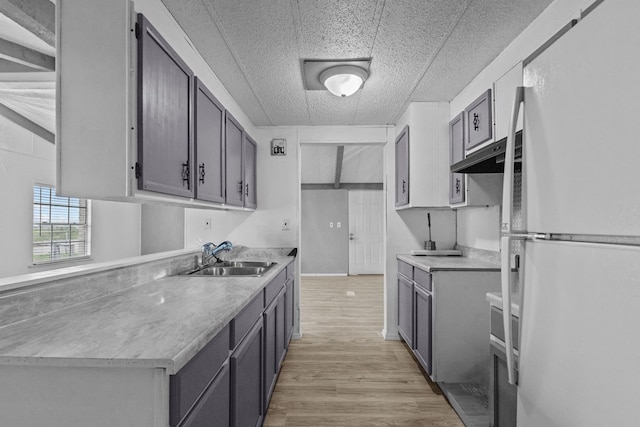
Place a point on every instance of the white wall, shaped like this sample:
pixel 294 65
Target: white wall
pixel 478 227
pixel 162 228
pixel 25 160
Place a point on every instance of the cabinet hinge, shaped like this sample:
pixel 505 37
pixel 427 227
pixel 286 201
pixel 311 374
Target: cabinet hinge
pixel 138 170
pixel 137 30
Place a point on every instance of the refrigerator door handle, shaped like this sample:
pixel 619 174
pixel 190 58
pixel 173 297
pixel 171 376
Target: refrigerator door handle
pixel 507 228
pixel 509 163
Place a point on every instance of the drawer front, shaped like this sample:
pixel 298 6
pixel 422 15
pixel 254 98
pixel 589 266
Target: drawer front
pixel 405 269
pixel 497 326
pixel 274 287
pixel 423 278
pixel 189 382
pixel 245 319
pixel 214 404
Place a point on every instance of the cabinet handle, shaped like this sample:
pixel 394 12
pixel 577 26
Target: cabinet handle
pixel 404 186
pixel 240 187
pixel 201 173
pixel 246 190
pixel 186 174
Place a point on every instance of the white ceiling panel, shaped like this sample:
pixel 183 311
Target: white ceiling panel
pixel 421 50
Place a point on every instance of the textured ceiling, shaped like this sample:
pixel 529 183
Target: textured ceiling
pixel 421 50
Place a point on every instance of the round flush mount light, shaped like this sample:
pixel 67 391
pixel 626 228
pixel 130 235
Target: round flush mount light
pixel 343 80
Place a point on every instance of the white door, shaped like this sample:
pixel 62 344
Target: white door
pixel 366 232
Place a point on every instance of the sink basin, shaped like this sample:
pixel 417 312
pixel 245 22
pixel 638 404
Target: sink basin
pixel 235 268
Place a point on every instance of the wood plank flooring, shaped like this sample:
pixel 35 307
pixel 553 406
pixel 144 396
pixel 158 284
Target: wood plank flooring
pixel 343 373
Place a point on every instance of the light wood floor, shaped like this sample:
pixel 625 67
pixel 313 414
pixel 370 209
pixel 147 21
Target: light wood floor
pixel 342 373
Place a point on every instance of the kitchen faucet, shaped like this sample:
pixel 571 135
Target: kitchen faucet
pixel 209 250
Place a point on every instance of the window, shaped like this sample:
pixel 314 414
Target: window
pixel 61 228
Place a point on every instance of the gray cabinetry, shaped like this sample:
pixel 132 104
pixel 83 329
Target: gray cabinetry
pixel 288 311
pixel 246 379
pixel 270 363
pixel 479 121
pixel 456 147
pixel 209 145
pixel 422 326
pixel 405 305
pixel 402 167
pixel 187 386
pixel 214 404
pixel 233 170
pixel 165 115
pixel 502 395
pixel 249 152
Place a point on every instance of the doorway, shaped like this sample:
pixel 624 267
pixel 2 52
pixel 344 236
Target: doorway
pixel 342 209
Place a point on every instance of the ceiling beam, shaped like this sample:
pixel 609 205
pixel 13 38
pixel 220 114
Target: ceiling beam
pixel 24 56
pixel 37 16
pixel 22 121
pixel 339 157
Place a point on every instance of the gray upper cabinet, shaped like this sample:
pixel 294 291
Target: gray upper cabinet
pixel 249 160
pixel 456 146
pixel 209 145
pixel 233 172
pixel 479 122
pixel 165 116
pixel 402 167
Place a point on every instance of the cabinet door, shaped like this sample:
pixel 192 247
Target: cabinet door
pixel 281 345
pixel 502 395
pixel 209 145
pixel 478 121
pixel 246 379
pixel 233 170
pixel 504 92
pixel 456 150
pixel 422 327
pixel 405 310
pixel 213 407
pixel 270 358
pixel 165 116
pixel 402 167
pixel 249 158
pixel 288 312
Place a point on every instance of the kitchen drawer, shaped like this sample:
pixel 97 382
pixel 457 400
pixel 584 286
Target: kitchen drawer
pixel 241 324
pixel 186 386
pixel 405 269
pixel 274 287
pixel 423 278
pixel 497 326
pixel 214 404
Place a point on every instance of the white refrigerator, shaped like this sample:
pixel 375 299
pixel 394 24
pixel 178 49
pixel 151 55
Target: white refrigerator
pixel 579 358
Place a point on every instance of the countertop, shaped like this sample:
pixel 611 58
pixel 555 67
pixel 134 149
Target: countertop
pixel 447 263
pixel 495 300
pixel 160 324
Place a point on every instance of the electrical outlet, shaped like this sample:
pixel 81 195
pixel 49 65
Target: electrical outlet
pixel 285 224
pixel 331 225
pixel 207 224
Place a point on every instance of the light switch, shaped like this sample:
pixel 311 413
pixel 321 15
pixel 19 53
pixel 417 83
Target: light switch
pixel 339 225
pixel 331 225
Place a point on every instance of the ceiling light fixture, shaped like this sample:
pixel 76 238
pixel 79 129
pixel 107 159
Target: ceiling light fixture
pixel 343 80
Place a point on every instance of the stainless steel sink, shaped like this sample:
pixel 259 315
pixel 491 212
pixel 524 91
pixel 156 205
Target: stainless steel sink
pixel 235 268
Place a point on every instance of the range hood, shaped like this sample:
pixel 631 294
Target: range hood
pixel 489 159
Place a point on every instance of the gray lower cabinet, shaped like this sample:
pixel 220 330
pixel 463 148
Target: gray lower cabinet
pixel 246 379
pixel 270 363
pixel 402 167
pixel 234 174
pixel 249 152
pixel 165 116
pixel 422 344
pixel 502 395
pixel 288 311
pixel 405 309
pixel 209 125
pixel 213 408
